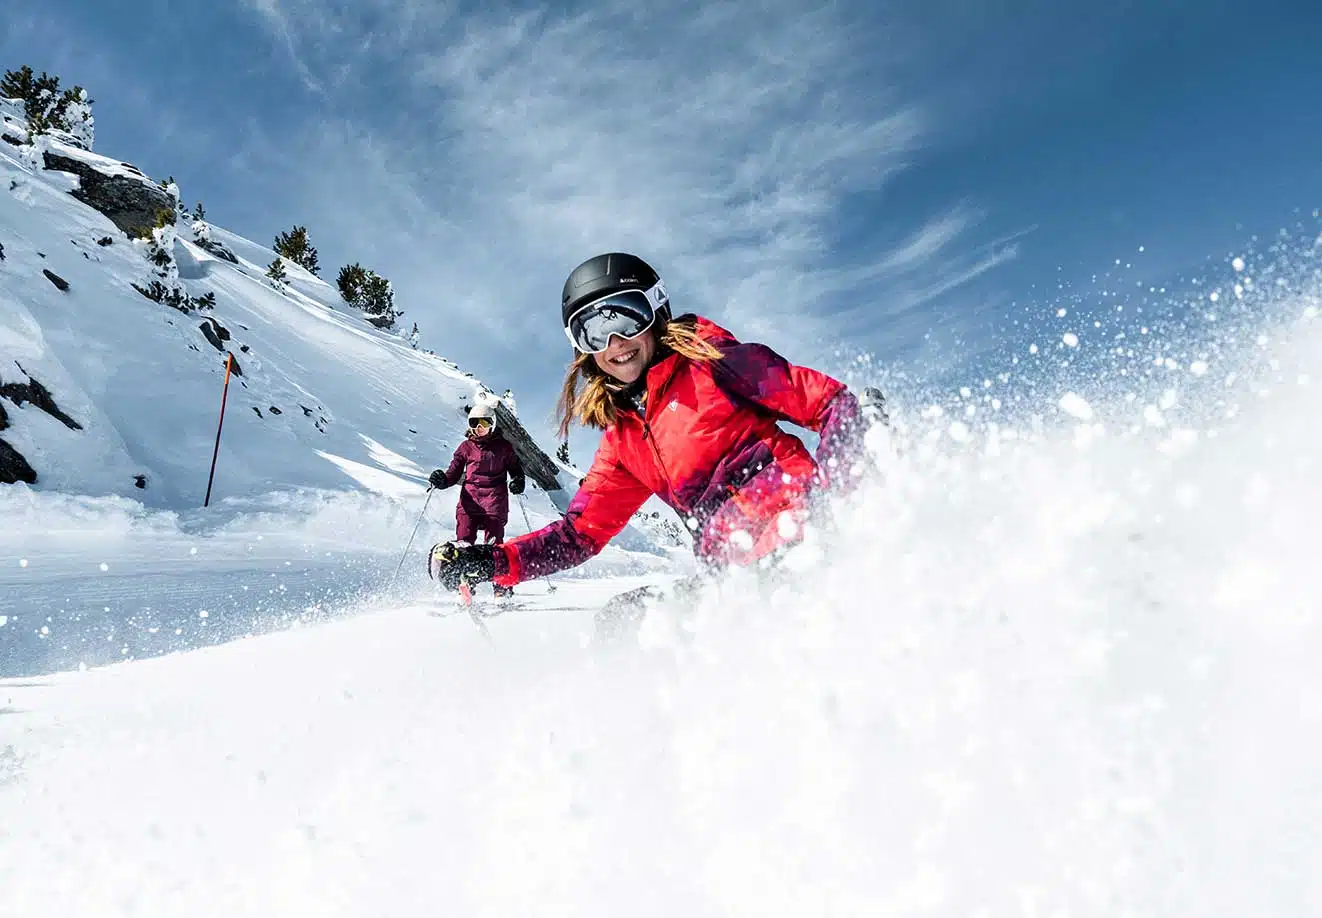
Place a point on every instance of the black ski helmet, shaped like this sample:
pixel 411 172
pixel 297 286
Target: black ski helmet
pixel 603 275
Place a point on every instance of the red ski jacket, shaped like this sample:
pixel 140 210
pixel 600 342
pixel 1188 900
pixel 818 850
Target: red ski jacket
pixel 709 446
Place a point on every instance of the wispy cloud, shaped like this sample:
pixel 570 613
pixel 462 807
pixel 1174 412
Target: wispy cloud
pixel 276 19
pixel 719 139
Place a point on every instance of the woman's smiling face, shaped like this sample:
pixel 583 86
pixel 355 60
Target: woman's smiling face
pixel 627 359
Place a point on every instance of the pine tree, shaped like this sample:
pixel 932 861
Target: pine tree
pixel 563 452
pixel 47 108
pixel 378 300
pixel 18 84
pixel 373 294
pixel 276 271
pixel 199 212
pixel 295 246
pixel 351 280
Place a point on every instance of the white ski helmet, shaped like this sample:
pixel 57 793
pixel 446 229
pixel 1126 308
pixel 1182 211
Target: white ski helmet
pixel 482 411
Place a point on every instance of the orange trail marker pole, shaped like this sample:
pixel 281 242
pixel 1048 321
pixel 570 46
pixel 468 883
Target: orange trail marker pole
pixel 224 393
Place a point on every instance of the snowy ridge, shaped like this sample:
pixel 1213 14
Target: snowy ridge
pixel 324 399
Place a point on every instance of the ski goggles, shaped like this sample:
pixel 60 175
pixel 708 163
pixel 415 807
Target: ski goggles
pixel 626 314
pixel 475 423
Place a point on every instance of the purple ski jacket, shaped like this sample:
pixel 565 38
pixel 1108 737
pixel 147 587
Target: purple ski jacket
pixel 482 464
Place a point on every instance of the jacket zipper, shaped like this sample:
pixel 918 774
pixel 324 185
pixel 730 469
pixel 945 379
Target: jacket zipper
pixel 651 439
pixel 660 464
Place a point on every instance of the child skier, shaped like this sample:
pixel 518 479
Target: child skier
pixel 690 414
pixel 482 463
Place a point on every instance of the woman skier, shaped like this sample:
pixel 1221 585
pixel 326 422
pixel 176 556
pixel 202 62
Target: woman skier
pixel 690 415
pixel 482 463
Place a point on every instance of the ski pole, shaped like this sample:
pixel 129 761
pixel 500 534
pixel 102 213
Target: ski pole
pixel 411 537
pixel 550 587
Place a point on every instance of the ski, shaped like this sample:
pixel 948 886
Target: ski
pixel 488 608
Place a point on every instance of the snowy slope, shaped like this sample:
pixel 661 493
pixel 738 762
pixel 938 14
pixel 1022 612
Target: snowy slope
pixel 356 406
pixel 1074 673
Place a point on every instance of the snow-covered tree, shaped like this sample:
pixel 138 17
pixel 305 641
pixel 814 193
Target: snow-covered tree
pixel 276 272
pixel 508 399
pixel 562 452
pixel 161 252
pixel 171 188
pixel 414 337
pixel 47 108
pixel 40 96
pixel 165 287
pixel 33 153
pixel 295 246
pixel 78 120
pixel 201 232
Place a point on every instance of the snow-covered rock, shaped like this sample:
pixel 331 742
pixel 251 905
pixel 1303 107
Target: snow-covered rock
pixel 131 200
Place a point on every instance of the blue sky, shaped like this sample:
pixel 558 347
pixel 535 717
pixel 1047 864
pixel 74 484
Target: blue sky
pixel 897 178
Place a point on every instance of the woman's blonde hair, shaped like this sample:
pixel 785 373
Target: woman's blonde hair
pixel 595 406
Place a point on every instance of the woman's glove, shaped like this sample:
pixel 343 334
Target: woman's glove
pixel 437 480
pixel 516 485
pixel 453 563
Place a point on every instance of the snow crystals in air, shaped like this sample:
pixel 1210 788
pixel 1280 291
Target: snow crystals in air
pixel 1076 406
pixel 1070 339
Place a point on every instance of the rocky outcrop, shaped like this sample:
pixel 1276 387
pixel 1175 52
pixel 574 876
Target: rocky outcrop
pixel 34 392
pixel 536 464
pixel 134 204
pixel 216 333
pixel 13 467
pixel 55 279
pixel 217 249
